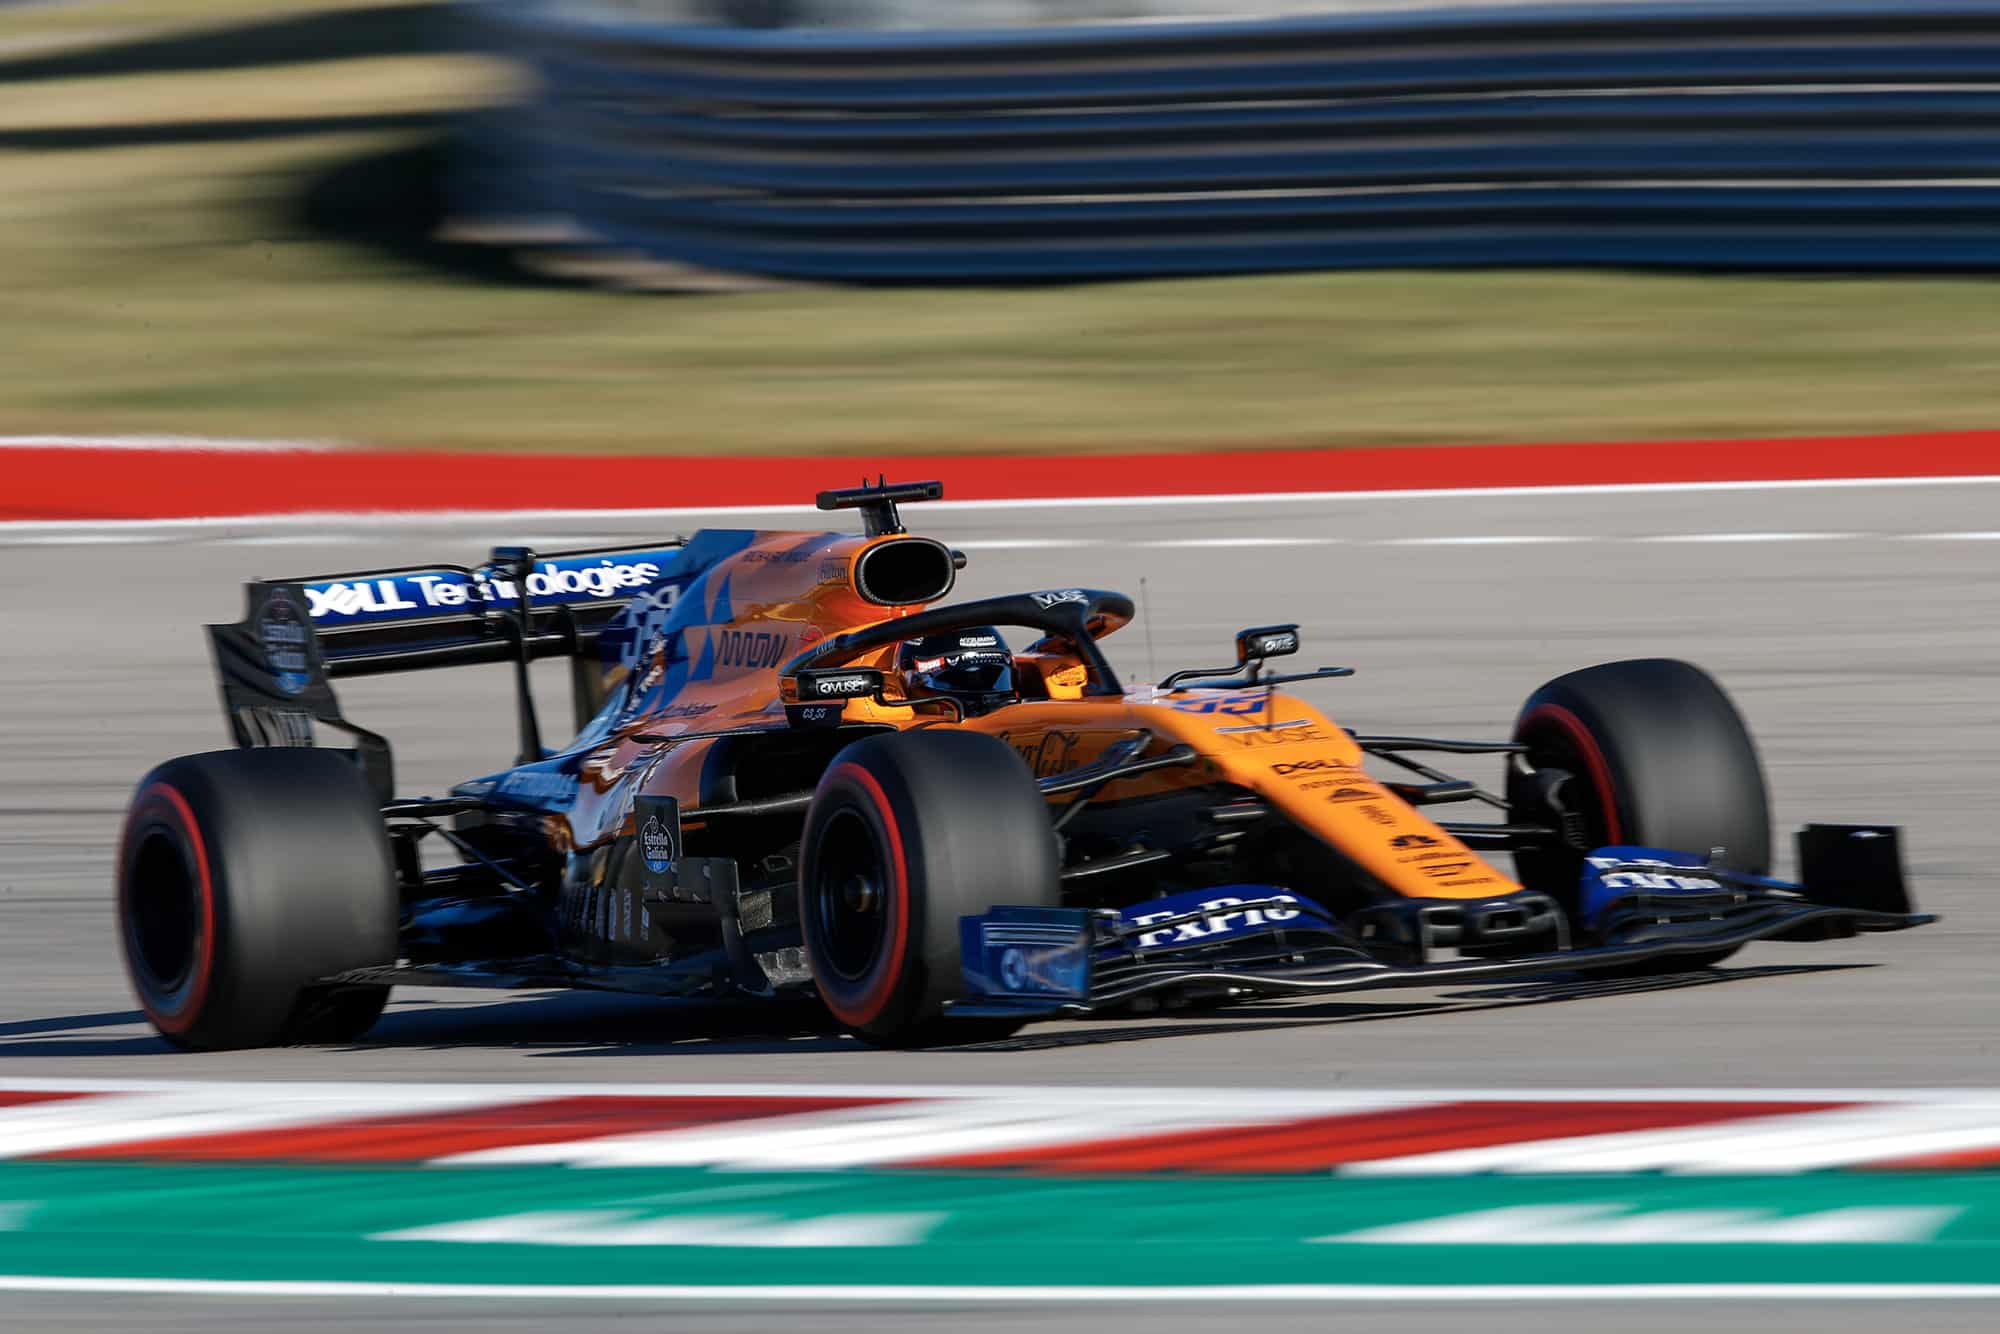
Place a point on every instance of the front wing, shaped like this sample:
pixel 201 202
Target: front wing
pixel 1056 961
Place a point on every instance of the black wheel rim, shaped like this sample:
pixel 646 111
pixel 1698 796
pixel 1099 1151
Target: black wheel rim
pixel 850 880
pixel 162 914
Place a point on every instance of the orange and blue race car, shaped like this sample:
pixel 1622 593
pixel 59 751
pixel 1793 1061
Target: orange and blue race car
pixel 797 769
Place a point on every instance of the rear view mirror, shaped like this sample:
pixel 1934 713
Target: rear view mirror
pixel 1266 641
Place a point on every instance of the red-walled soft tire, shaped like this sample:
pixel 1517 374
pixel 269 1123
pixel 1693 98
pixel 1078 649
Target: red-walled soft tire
pixel 1658 757
pixel 906 834
pixel 244 876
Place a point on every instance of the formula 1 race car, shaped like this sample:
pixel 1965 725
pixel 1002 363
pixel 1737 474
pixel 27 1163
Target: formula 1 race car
pixel 793 772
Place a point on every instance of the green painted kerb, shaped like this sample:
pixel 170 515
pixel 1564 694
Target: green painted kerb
pixel 690 1226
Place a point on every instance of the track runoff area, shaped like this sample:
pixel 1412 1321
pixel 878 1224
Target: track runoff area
pixel 886 1193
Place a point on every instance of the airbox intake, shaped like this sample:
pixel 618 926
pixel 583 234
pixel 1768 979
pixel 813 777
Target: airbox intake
pixel 904 570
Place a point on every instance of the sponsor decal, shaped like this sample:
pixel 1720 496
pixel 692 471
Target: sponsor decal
pixel 1014 968
pixel 683 711
pixel 572 579
pixel 1058 597
pixel 284 637
pixel 273 726
pixel 1049 753
pixel 1413 841
pixel 1026 952
pixel 833 571
pixel 978 641
pixel 1234 704
pixel 1311 767
pixel 1271 644
pixel 538 785
pixel 1223 912
pixel 1377 814
pixel 815 715
pixel 844 686
pixel 1446 870
pixel 1345 794
pixel 750 648
pixel 1671 877
pixel 658 845
pixel 1299 731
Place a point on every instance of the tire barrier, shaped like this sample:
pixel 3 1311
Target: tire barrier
pixel 1828 134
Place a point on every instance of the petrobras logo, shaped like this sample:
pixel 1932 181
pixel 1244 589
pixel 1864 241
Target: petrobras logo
pixel 1207 916
pixel 424 592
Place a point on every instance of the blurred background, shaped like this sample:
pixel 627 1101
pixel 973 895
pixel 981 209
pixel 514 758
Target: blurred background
pixel 833 231
pixel 817 225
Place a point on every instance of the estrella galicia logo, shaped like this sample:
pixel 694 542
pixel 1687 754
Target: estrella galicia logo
pixel 656 845
pixel 282 633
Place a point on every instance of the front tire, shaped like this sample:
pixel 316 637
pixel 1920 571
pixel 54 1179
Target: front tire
pixel 1649 753
pixel 244 877
pixel 906 834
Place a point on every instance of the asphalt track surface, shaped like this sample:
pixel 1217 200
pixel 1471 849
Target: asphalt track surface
pixel 1857 627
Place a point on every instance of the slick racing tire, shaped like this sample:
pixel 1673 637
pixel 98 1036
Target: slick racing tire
pixel 244 876
pixel 906 834
pixel 1650 753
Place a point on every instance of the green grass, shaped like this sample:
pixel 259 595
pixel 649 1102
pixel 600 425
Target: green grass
pixel 164 273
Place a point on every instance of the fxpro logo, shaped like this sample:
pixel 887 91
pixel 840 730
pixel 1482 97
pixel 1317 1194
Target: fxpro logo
pixel 1226 916
pixel 749 648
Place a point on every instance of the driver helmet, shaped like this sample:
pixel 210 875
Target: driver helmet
pixel 971 666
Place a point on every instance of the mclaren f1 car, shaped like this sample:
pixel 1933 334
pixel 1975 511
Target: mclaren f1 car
pixel 798 769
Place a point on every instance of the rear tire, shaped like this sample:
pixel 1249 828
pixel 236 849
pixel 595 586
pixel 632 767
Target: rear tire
pixel 1652 753
pixel 906 834
pixel 244 876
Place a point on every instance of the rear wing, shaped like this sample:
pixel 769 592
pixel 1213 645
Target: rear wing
pixel 277 665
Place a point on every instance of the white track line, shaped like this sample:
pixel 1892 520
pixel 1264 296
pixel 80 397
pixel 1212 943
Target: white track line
pixel 1754 537
pixel 1303 1101
pixel 492 518
pixel 7 539
pixel 1494 540
pixel 1206 542
pixel 188 444
pixel 1040 1293
pixel 195 1109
